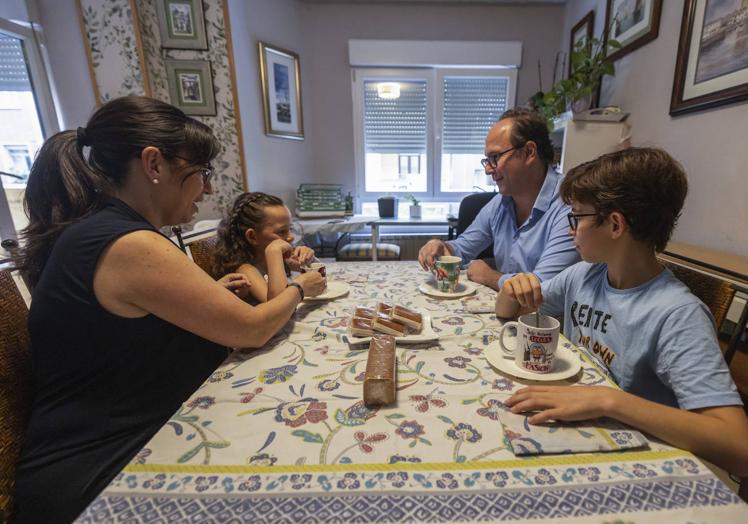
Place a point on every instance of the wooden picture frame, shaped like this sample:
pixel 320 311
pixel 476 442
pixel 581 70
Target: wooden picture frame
pixel 280 75
pixel 181 24
pixel 191 86
pixel 582 29
pixel 706 73
pixel 632 23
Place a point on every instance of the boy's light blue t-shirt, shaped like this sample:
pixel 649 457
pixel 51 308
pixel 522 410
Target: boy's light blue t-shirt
pixel 658 340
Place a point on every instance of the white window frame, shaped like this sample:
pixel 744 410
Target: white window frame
pixel 434 78
pixel 45 106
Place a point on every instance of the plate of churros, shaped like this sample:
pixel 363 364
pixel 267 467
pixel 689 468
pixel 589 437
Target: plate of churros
pixel 408 326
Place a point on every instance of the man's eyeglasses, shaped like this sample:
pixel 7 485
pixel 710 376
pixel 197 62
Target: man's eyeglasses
pixel 206 171
pixel 493 160
pixel 574 218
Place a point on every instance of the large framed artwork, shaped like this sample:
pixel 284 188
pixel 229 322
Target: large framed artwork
pixel 191 86
pixel 632 23
pixel 181 24
pixel 281 92
pixel 712 64
pixel 581 31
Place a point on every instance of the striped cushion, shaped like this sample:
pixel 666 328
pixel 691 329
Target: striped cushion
pixel 362 251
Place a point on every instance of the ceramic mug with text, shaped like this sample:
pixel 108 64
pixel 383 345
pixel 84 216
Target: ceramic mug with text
pixel 536 345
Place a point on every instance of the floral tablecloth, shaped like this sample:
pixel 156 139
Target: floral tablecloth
pixel 281 435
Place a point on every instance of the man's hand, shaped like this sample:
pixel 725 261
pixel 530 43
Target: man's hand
pixel 563 402
pixel 480 272
pixel 432 250
pixel 525 289
pixel 236 282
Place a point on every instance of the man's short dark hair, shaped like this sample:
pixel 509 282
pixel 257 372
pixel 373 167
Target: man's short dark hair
pixel 646 185
pixel 530 125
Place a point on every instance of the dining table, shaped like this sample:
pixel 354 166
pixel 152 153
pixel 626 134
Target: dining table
pixel 281 433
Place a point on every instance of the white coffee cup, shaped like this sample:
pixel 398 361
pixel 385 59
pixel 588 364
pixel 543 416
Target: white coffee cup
pixel 315 266
pixel 536 346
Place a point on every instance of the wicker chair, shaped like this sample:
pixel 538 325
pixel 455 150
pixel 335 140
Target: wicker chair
pixel 715 293
pixel 15 385
pixel 202 251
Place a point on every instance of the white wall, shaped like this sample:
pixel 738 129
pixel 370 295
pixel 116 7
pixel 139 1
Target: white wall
pixel 274 165
pixel 328 27
pixel 712 145
pixel 71 80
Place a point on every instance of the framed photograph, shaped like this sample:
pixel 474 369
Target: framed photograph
pixel 191 86
pixel 181 24
pixel 712 64
pixel 581 31
pixel 632 23
pixel 281 92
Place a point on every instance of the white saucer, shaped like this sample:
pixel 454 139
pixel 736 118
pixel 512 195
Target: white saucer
pixel 566 365
pixel 335 289
pixel 463 289
pixel 427 334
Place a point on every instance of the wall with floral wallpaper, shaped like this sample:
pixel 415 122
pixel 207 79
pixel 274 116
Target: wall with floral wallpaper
pixel 126 58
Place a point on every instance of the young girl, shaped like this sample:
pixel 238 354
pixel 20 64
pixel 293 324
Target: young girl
pixel 255 240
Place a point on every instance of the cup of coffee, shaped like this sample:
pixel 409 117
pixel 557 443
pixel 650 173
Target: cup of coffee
pixel 536 344
pixel 447 273
pixel 315 266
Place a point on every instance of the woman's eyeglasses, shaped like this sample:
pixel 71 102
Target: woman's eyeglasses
pixel 206 170
pixel 493 160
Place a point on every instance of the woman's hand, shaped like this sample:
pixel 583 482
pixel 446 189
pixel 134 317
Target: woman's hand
pixel 312 282
pixel 236 282
pixel 525 289
pixel 562 402
pixel 301 256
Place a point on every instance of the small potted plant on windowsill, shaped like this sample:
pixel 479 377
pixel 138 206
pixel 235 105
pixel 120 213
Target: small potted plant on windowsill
pixel 415 206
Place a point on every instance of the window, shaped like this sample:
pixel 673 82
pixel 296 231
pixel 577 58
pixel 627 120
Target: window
pixel 27 116
pixel 426 135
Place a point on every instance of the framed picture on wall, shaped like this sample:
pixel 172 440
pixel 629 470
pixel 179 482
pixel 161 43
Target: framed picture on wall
pixel 181 24
pixel 191 86
pixel 632 23
pixel 581 31
pixel 712 64
pixel 281 92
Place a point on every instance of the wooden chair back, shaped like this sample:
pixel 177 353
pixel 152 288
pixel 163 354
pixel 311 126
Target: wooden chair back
pixel 715 293
pixel 15 385
pixel 202 252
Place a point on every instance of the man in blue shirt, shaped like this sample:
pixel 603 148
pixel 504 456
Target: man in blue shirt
pixel 527 222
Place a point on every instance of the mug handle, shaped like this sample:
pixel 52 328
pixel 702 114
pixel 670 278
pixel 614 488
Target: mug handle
pixel 507 352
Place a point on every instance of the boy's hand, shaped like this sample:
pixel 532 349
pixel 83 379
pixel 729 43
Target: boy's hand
pixel 525 289
pixel 562 402
pixel 236 282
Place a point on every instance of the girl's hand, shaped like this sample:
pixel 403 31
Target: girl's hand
pixel 236 282
pixel 525 289
pixel 312 282
pixel 300 256
pixel 279 246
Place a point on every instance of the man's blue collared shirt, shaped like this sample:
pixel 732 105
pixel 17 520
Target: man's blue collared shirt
pixel 542 245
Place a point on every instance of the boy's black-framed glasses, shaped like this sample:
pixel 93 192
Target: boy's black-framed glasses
pixel 573 218
pixel 206 170
pixel 493 159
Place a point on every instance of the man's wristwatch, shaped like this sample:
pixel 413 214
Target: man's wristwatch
pixel 297 286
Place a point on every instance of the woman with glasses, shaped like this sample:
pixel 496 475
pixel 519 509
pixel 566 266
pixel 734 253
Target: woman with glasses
pixel 123 326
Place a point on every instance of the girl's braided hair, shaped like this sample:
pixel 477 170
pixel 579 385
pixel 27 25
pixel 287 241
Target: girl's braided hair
pixel 232 249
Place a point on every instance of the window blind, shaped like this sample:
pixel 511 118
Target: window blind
pixel 471 107
pixel 13 74
pixel 395 125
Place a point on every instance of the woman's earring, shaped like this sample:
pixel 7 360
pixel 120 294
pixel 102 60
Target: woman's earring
pixel 155 180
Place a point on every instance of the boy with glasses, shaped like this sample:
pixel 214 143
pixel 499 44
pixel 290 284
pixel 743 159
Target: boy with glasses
pixel 657 339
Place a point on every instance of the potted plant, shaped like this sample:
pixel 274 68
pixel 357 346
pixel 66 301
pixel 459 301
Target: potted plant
pixel 589 63
pixel 415 206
